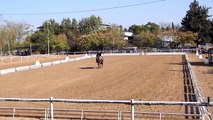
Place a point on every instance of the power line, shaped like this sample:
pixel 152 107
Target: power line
pixel 89 10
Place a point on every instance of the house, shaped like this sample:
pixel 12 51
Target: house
pixel 128 35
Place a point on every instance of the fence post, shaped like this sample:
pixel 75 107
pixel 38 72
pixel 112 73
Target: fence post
pixel 132 110
pixel 45 114
pixel 82 114
pixel 119 115
pixel 51 108
pixel 48 112
pixel 14 112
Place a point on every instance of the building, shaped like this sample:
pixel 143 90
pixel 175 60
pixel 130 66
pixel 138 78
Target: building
pixel 128 35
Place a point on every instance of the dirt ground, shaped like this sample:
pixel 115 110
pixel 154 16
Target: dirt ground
pixel 152 78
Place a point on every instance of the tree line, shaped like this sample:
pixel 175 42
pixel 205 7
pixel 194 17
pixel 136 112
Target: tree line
pixel 91 34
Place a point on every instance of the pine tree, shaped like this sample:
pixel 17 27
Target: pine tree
pixel 196 20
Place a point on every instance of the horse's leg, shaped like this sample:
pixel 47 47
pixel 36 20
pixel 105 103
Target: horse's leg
pixel 98 65
pixel 101 64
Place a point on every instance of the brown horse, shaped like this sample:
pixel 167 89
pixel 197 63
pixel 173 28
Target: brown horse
pixel 100 61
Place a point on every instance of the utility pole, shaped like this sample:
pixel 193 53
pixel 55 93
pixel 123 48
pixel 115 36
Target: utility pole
pixel 48 38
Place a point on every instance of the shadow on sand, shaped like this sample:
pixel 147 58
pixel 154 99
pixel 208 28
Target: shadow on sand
pixel 88 68
pixel 189 93
pixel 200 64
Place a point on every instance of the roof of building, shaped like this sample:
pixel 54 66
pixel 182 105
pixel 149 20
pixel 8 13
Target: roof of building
pixel 128 34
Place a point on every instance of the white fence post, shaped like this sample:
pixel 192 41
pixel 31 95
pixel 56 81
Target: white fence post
pixel 51 108
pixel 14 112
pixel 160 116
pixel 82 115
pixel 45 114
pixel 132 110
pixel 119 115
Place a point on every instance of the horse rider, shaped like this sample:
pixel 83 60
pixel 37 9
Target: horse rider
pixel 98 55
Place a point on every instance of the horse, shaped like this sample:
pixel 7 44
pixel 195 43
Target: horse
pixel 100 61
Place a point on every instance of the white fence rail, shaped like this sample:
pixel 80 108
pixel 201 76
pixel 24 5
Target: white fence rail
pixel 82 57
pixel 131 103
pixel 202 103
pixel 86 114
pixel 10 59
pixel 198 92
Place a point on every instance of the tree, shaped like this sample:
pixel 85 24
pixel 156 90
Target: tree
pixel 111 38
pixel 65 26
pixel 90 41
pixel 115 38
pixel 59 43
pixel 145 39
pixel 149 27
pixel 12 35
pixel 56 33
pixel 73 35
pixel 210 32
pixel 196 20
pixel 187 39
pixel 152 27
pixel 88 25
pixel 39 40
pixel 74 26
pixel 87 34
pixel 137 29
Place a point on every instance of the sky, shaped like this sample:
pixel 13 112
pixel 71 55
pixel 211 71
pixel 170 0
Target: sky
pixel 139 12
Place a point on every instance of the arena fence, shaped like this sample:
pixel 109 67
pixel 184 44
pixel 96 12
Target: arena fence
pixel 11 59
pixel 198 92
pixel 51 112
pixel 202 104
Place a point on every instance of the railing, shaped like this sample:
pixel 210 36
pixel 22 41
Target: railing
pixel 202 103
pixel 131 103
pixel 11 59
pixel 198 92
pixel 85 114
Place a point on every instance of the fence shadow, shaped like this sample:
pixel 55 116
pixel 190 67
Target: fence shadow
pixel 201 64
pixel 189 93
